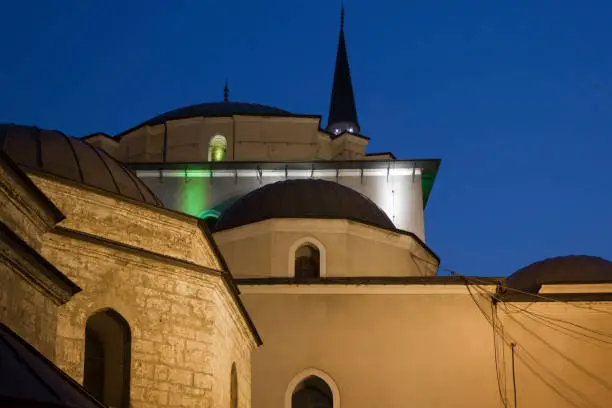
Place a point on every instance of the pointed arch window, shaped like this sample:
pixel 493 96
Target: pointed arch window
pixel 312 392
pixel 307 262
pixel 217 149
pixel 107 358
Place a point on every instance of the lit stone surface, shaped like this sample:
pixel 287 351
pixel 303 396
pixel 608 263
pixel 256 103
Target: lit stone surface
pixel 113 219
pixel 173 297
pixel 26 310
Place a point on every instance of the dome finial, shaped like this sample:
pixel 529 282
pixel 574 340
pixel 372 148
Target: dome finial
pixel 226 92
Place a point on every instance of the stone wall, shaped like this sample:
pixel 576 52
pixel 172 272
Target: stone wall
pixel 28 294
pixel 179 332
pixel 133 224
pixel 159 273
pixel 26 310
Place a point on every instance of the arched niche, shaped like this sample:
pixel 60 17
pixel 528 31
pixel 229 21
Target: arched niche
pixel 234 387
pixel 217 149
pixel 107 358
pixel 312 387
pixel 300 248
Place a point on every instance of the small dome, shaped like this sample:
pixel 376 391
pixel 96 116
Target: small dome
pixel 304 198
pixel 217 109
pixel 55 153
pixel 563 269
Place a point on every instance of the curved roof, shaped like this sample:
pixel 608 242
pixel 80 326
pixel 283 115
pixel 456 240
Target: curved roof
pixel 55 153
pixel 563 269
pixel 303 198
pixel 217 109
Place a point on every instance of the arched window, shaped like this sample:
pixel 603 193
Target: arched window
pixel 107 358
pixel 307 262
pixel 210 217
pixel 312 392
pixel 211 221
pixel 234 387
pixel 217 149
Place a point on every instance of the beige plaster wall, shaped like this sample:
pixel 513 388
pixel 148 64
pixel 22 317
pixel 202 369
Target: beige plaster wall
pixel 157 271
pixel 428 346
pixel 249 138
pixel 347 248
pixel 381 350
pixel 563 354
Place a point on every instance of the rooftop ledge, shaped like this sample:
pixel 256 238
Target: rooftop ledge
pixel 426 165
pixel 603 287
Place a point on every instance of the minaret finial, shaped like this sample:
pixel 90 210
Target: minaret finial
pixel 342 17
pixel 226 92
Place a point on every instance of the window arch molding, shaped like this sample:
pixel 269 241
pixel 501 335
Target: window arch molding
pixel 315 243
pixel 309 372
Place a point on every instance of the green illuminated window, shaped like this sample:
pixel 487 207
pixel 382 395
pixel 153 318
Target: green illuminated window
pixel 217 148
pixel 210 217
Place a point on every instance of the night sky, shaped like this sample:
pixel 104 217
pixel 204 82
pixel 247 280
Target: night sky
pixel 515 97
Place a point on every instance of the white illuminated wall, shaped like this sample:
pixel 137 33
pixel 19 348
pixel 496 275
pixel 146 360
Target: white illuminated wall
pixel 398 194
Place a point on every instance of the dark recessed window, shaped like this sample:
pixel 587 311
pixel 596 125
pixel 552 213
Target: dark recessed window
pixel 307 262
pixel 234 387
pixel 211 221
pixel 312 392
pixel 107 358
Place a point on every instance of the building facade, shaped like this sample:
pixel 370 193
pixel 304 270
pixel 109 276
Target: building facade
pixel 232 254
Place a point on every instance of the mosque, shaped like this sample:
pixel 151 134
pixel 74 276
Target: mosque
pixel 232 254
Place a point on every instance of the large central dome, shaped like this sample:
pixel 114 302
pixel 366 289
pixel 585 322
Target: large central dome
pixel 303 198
pixel 217 109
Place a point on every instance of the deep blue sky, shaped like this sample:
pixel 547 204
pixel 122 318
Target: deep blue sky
pixel 515 97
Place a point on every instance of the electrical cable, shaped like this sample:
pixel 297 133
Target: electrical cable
pixel 537 295
pixel 485 294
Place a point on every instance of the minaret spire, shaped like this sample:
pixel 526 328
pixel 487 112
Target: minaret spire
pixel 226 92
pixel 342 111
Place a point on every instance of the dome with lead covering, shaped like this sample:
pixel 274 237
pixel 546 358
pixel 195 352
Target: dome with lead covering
pixel 564 269
pixel 55 153
pixel 303 198
pixel 212 109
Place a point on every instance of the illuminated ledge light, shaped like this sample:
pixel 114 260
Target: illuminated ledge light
pixel 290 173
pixel 576 288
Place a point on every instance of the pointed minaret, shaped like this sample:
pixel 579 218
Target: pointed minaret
pixel 226 92
pixel 342 112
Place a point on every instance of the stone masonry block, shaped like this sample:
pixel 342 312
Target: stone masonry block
pixel 144 369
pixel 157 397
pixel 203 381
pixel 161 372
pixel 178 376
